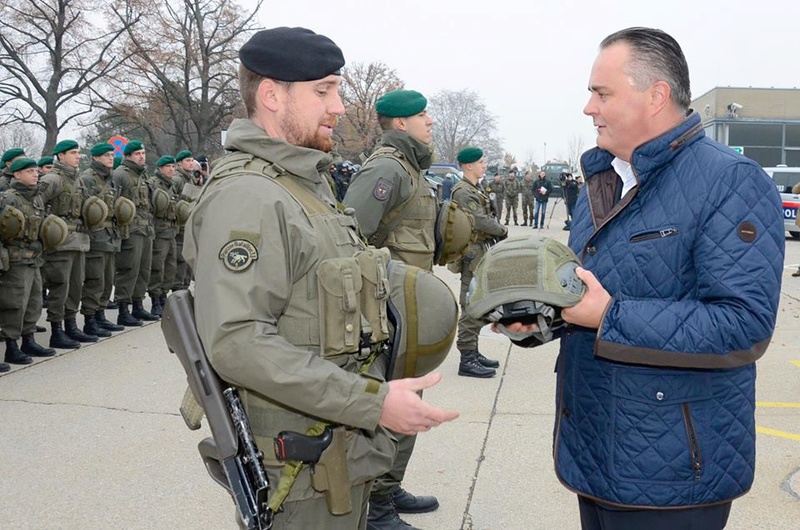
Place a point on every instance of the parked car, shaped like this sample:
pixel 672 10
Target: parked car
pixel 785 178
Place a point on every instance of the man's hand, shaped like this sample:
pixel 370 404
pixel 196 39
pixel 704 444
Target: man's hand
pixel 405 412
pixel 589 311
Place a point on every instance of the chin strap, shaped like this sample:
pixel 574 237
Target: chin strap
pixel 541 315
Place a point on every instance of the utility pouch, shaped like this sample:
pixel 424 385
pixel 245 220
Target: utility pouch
pixel 339 281
pixel 375 291
pixel 124 231
pixel 330 475
pixel 5 260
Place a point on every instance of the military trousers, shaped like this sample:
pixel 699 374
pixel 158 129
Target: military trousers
pixel 133 268
pixel 468 328
pixel 511 207
pixel 163 266
pixel 98 281
pixel 20 300
pixel 527 209
pixel 394 477
pixel 63 274
pixel 498 207
pixel 313 513
pixel 183 273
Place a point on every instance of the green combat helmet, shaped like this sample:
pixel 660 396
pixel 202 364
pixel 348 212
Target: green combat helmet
pixel 424 315
pixel 182 210
pixel 53 232
pixel 525 279
pixel 161 200
pixel 94 212
pixel 455 230
pixel 12 223
pixel 124 210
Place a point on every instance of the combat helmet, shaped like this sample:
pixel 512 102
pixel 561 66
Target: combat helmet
pixel 453 233
pixel 161 200
pixel 182 211
pixel 525 279
pixel 12 223
pixel 94 212
pixel 124 210
pixel 424 316
pixel 53 232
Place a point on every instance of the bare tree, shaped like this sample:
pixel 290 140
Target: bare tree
pixel 23 135
pixel 575 150
pixel 179 84
pixel 50 55
pixel 358 131
pixel 461 120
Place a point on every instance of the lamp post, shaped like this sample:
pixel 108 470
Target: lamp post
pixel 545 152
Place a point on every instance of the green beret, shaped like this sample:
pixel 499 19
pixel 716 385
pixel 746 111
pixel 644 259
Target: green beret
pixel 12 153
pixel 401 103
pixel 22 163
pixel 101 149
pixel 65 145
pixel 164 160
pixel 183 154
pixel 291 54
pixel 469 155
pixel 45 161
pixel 117 161
pixel 133 145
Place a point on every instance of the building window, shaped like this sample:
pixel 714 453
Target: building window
pixel 755 134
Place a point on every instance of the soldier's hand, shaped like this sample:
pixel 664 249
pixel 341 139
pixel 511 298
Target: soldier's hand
pixel 590 310
pixel 405 412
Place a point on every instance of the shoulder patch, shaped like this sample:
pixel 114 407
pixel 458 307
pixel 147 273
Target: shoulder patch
pixel 472 205
pixel 238 255
pixel 382 189
pixel 747 232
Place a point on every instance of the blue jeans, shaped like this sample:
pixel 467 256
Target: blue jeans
pixel 540 206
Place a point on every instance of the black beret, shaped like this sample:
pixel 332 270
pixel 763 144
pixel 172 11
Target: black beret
pixel 469 155
pixel 291 54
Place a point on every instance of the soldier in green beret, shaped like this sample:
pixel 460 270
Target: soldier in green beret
pixel 165 224
pixel 96 185
pixel 64 265
pixel 9 155
pixel 187 182
pixel 396 208
pixel 45 165
pixel 135 257
pixel 469 196
pixel 21 213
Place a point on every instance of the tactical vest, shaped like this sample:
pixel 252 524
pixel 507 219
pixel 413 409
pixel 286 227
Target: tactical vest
pixel 27 248
pixel 165 215
pixel 67 204
pixel 107 238
pixel 408 230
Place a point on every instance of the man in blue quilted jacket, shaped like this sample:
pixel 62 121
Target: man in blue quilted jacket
pixel 682 245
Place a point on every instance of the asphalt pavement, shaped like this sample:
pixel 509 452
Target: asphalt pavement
pixel 92 438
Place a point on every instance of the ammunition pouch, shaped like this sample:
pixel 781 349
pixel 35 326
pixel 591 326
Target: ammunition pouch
pixel 339 281
pixel 5 260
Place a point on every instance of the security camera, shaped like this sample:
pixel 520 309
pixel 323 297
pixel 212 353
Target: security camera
pixel 735 106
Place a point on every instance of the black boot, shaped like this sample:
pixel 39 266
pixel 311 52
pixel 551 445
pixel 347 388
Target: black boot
pixel 141 313
pixel 125 318
pixel 404 502
pixel 112 304
pixel 59 339
pixel 470 367
pixel 32 348
pixel 74 332
pixel 156 308
pixel 40 329
pixel 488 363
pixel 91 327
pixel 4 367
pixel 14 355
pixel 383 515
pixel 100 318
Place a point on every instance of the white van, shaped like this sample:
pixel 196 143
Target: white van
pixel 785 178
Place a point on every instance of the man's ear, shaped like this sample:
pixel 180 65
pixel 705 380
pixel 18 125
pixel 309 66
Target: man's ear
pixel 400 124
pixel 267 94
pixel 660 94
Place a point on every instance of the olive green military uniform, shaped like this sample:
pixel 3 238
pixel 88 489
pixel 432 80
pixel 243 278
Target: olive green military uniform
pixel 511 189
pixel 136 252
pixel 188 191
pixel 105 239
pixel 496 193
pixel 472 199
pixel 378 192
pixel 63 270
pixel 6 178
pixel 380 189
pixel 256 248
pixel 21 286
pixel 526 192
pixel 165 226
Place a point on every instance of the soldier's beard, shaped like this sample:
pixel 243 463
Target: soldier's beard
pixel 315 139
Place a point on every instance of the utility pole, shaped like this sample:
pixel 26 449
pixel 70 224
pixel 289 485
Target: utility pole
pixel 545 153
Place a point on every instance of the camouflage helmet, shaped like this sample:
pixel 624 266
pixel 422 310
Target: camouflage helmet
pixel 454 231
pixel 53 232
pixel 182 210
pixel 124 210
pixel 161 200
pixel 94 212
pixel 424 316
pixel 12 223
pixel 526 279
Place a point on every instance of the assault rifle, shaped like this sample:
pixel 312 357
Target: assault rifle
pixel 231 457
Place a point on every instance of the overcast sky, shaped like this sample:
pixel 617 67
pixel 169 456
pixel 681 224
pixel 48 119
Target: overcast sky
pixel 530 61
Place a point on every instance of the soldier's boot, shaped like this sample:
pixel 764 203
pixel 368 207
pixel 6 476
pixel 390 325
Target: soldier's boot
pixel 155 307
pixel 470 367
pixel 40 329
pixel 100 318
pixel 141 313
pixel 34 349
pixel 112 304
pixel 4 367
pixel 383 515
pixel 44 299
pixel 125 318
pixel 74 332
pixel 404 502
pixel 163 301
pixel 91 327
pixel 14 355
pixel 484 361
pixel 59 339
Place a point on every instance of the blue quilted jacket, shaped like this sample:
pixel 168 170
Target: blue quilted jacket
pixel 656 408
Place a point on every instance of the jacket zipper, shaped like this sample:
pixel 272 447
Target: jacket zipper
pixel 694 446
pixel 654 235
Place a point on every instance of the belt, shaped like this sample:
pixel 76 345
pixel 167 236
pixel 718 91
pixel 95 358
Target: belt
pixel 19 253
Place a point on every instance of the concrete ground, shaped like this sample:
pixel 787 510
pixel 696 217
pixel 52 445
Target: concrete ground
pixel 91 439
